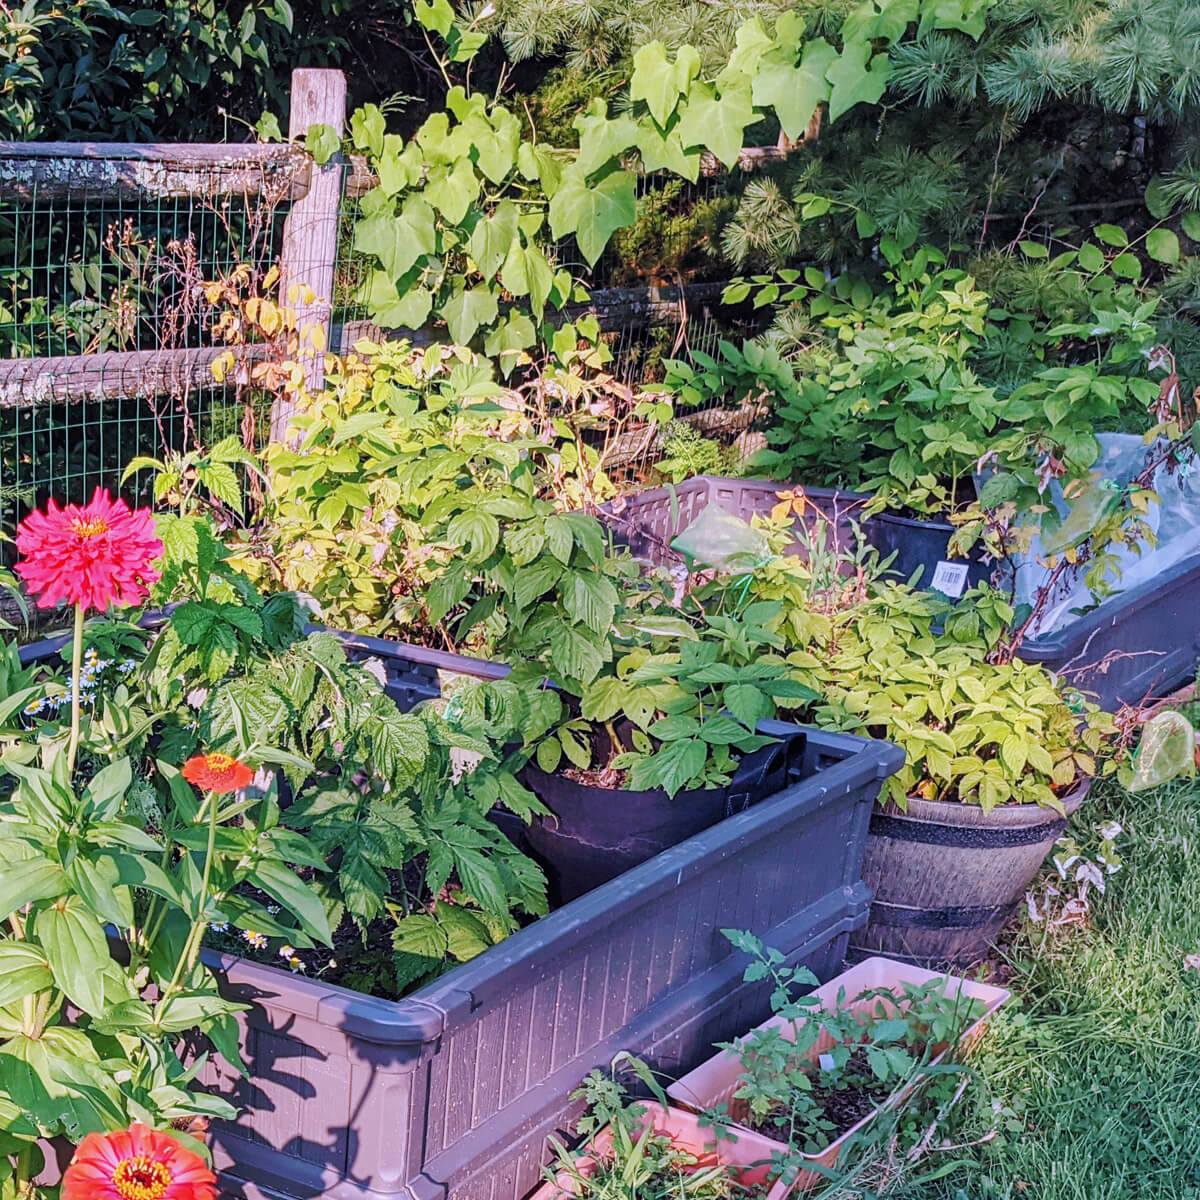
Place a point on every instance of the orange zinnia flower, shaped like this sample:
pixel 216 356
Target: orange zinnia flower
pixel 217 773
pixel 136 1164
pixel 94 556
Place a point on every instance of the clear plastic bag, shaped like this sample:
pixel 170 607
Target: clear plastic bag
pixel 1167 750
pixel 717 538
pixel 1175 522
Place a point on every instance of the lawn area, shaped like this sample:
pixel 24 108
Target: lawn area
pixel 1090 1079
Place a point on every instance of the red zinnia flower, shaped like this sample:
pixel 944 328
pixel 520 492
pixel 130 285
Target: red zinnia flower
pixel 92 556
pixel 217 773
pixel 136 1164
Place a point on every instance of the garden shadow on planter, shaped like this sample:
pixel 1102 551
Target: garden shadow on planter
pixel 449 1094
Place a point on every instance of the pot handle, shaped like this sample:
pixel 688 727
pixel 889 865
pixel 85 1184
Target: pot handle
pixel 746 786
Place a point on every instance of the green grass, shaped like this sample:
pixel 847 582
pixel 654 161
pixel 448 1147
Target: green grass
pixel 1089 1082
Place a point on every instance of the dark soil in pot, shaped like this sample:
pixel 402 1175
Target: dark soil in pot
pixel 856 1095
pixel 598 833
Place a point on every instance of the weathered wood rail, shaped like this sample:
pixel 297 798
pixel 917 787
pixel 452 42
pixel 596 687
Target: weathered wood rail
pixel 34 172
pixel 51 172
pixel 120 375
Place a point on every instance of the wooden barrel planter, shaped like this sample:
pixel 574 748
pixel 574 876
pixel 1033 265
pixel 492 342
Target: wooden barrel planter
pixel 947 877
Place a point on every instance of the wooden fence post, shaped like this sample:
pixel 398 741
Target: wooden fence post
pixel 310 233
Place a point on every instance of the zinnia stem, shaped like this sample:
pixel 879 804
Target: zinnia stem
pixel 191 947
pixel 76 682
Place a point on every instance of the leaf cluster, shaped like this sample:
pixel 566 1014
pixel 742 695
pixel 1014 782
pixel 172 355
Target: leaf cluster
pixel 874 1044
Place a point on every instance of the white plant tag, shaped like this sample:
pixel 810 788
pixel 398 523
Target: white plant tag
pixel 826 1062
pixel 950 579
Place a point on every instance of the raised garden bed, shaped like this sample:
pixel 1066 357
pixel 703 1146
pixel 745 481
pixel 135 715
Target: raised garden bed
pixel 449 1093
pixel 647 521
pixel 718 1079
pixel 1140 643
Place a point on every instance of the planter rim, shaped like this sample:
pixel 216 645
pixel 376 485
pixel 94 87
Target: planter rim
pixel 698 482
pixel 915 522
pixel 780 739
pixel 421 1016
pixel 952 812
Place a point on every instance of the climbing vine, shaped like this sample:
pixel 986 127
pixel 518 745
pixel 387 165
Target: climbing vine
pixel 463 224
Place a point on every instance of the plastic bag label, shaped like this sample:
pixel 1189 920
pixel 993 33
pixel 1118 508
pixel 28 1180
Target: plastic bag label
pixel 950 579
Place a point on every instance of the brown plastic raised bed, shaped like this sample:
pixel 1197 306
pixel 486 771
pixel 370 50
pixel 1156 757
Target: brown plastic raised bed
pixel 450 1093
pixel 647 521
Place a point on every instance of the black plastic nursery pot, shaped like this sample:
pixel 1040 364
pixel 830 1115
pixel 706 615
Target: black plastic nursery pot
pixel 648 521
pixel 450 1093
pixel 948 877
pixel 596 833
pixel 926 545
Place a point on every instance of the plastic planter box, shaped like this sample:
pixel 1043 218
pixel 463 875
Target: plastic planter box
pixel 647 521
pixel 716 1081
pixel 1139 643
pixel 450 1093
pixel 749 1156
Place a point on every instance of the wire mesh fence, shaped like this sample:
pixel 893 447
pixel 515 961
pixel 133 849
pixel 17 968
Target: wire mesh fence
pixel 108 331
pixel 106 339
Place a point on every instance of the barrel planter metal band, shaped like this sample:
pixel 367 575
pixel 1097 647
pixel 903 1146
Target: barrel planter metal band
pixel 899 917
pixel 948 877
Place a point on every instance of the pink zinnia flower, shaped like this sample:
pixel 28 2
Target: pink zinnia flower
pixel 136 1164
pixel 95 556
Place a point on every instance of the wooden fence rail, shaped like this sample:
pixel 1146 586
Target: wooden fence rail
pixel 34 172
pixel 53 172
pixel 31 172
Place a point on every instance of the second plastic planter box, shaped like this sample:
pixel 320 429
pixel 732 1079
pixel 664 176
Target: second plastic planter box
pixel 716 1081
pixel 647 521
pixel 1137 644
pixel 450 1093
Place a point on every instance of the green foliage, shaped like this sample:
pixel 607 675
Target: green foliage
pixel 795 1069
pixel 907 666
pixel 136 72
pixel 687 452
pixel 678 706
pixel 892 396
pixel 461 212
pixel 642 1164
pixel 451 493
pixel 674 238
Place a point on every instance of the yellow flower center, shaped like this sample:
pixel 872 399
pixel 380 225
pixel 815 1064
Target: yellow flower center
pixel 141 1178
pixel 91 528
pixel 219 762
